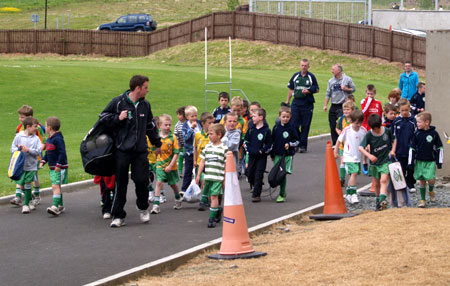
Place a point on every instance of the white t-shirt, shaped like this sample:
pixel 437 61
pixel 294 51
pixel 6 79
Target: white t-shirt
pixel 352 139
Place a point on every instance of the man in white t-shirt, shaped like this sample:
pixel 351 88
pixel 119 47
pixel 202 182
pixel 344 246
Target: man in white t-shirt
pixel 351 137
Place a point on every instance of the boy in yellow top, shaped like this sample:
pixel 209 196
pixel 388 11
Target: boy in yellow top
pixel 152 167
pixel 341 123
pixel 166 163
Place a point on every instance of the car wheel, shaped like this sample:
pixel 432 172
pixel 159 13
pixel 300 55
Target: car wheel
pixel 139 30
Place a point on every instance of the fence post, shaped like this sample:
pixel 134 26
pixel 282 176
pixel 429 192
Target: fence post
pixel 391 44
pixel 323 34
pixel 168 37
pixel 8 41
pixel 299 32
pixel 147 44
pixel 412 50
pixel 63 43
pixel 348 38
pixel 90 42
pixel 119 45
pixel 213 25
pixel 233 28
pixel 190 31
pixel 278 29
pixel 253 26
pixel 372 34
pixel 35 41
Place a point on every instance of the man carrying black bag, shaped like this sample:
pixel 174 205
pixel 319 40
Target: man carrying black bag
pixel 130 116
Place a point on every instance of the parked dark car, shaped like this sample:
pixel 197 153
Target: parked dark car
pixel 131 22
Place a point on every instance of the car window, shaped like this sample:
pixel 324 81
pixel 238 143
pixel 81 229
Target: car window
pixel 132 19
pixel 122 20
pixel 142 18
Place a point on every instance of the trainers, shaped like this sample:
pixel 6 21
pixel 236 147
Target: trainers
pixel 177 205
pixel 144 216
pixel 354 199
pixel 203 206
pixel 61 208
pixel 53 210
pixel 25 209
pixel 16 201
pixel 155 209
pixel 218 217
pixel 37 200
pixel 211 223
pixel 280 199
pixel 256 199
pixel 106 216
pixel 117 222
pixel 383 205
pixel 151 196
pixel 162 198
pixel 433 197
pixel 348 198
pixel 422 204
pixel 302 150
pixel 32 206
pixel 377 205
pixel 412 190
pixel 365 169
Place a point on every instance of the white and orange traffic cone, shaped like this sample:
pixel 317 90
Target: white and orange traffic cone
pixel 334 206
pixel 235 239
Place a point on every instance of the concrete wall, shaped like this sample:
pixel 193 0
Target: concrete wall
pixel 418 20
pixel 438 87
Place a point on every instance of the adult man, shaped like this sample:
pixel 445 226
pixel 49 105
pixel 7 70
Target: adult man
pixel 408 82
pixel 302 86
pixel 339 86
pixel 130 116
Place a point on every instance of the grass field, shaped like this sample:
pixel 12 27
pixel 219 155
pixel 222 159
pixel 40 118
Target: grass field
pixel 76 89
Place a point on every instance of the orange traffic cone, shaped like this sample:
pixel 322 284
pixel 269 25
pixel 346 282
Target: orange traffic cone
pixel 334 206
pixel 235 239
pixel 390 27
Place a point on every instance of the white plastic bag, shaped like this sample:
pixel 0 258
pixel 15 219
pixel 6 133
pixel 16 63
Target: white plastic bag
pixel 193 193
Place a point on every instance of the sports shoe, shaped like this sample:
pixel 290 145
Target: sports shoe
pixel 53 210
pixel 162 198
pixel 16 201
pixel 412 190
pixel 280 199
pixel 422 204
pixel 144 216
pixel 211 223
pixel 25 209
pixel 348 198
pixel 256 199
pixel 302 150
pixel 433 197
pixel 203 206
pixel 177 205
pixel 106 216
pixel 61 208
pixel 365 169
pixel 37 200
pixel 354 199
pixel 383 205
pixel 218 217
pixel 32 206
pixel 117 222
pixel 151 196
pixel 155 209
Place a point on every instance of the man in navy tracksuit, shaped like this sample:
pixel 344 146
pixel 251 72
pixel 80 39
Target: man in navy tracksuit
pixel 258 144
pixel 302 86
pixel 131 118
pixel 403 128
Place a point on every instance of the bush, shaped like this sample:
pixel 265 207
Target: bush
pixel 232 4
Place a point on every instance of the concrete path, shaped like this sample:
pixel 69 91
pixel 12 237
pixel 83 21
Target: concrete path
pixel 79 247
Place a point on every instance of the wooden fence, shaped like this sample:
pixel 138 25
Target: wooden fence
pixel 287 30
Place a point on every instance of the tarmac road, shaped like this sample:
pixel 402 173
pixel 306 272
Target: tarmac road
pixel 79 247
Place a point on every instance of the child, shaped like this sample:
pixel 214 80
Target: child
pixel 232 136
pixel 382 144
pixel 258 144
pixel 394 96
pixel 352 136
pixel 28 142
pixel 369 106
pixel 403 128
pixel 285 140
pixel 166 164
pixel 56 158
pixel 253 107
pixel 341 123
pixel 178 131
pixel 223 108
pixel 245 112
pixel 152 168
pixel 24 112
pixel 390 113
pixel 200 141
pixel 190 128
pixel 418 99
pixel 213 164
pixel 107 185
pixel 426 152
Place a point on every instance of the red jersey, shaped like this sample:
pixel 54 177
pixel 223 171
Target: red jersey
pixel 369 106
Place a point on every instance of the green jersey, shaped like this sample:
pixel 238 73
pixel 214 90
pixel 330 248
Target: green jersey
pixel 380 145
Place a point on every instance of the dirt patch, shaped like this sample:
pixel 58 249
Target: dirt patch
pixel 396 247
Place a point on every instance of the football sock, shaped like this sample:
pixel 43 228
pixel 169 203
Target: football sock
pixel 177 196
pixel 204 199
pixel 213 212
pixel 57 200
pixel 283 188
pixel 381 198
pixel 422 193
pixel 342 172
pixel 36 191
pixel 27 197
pixel 352 190
pixel 61 200
pixel 156 201
pixel 19 192
pixel 430 187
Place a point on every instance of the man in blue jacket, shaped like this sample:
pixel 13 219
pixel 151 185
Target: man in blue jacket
pixel 408 82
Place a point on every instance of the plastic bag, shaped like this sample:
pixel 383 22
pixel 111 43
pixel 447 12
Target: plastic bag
pixel 193 193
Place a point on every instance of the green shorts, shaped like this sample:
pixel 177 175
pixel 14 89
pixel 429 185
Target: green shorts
pixel 288 160
pixel 212 188
pixel 152 167
pixel 202 176
pixel 59 178
pixel 425 170
pixel 170 178
pixel 341 152
pixel 352 168
pixel 376 171
pixel 26 178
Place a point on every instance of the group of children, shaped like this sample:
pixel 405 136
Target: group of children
pixel 32 138
pixel 401 133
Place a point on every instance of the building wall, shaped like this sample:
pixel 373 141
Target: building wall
pixel 438 88
pixel 418 20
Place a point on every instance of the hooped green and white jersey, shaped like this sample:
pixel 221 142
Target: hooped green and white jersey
pixel 215 157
